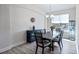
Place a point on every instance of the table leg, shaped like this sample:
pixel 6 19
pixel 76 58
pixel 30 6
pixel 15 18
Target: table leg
pixel 52 46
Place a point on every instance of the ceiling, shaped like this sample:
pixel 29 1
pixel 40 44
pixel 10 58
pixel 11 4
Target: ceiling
pixel 45 7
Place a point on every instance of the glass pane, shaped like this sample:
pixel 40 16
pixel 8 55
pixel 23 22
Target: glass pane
pixel 56 19
pixel 64 18
pixel 61 18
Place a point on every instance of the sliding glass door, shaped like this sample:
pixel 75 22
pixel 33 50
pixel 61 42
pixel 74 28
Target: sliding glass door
pixel 72 30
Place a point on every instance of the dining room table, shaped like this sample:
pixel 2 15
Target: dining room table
pixel 51 36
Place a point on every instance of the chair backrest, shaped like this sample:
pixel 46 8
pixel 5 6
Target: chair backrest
pixel 43 31
pixel 38 37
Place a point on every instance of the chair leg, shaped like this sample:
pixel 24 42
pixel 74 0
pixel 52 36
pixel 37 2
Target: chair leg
pixel 62 43
pixel 36 49
pixel 43 50
pixel 52 46
pixel 59 45
pixel 49 47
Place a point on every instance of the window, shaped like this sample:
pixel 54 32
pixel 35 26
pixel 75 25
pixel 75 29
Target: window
pixel 64 18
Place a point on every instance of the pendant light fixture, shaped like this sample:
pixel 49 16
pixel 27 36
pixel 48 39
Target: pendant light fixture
pixel 49 15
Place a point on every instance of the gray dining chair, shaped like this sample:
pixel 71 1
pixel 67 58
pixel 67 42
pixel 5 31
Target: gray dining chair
pixel 41 42
pixel 58 39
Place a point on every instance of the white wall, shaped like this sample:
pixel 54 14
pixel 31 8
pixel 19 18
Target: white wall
pixel 20 22
pixel 14 22
pixel 5 40
pixel 77 27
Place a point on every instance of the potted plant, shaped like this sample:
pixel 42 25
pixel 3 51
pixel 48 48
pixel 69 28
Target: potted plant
pixel 52 27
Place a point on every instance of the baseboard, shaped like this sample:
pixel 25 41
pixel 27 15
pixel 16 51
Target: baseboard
pixel 17 44
pixel 69 41
pixel 11 46
pixel 5 49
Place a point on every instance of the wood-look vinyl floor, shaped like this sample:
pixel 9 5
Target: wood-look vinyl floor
pixel 29 48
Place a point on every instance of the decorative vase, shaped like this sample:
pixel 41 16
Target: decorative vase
pixel 52 28
pixel 33 27
pixel 52 31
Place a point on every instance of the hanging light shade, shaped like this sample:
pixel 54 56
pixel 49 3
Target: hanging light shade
pixel 47 16
pixel 51 16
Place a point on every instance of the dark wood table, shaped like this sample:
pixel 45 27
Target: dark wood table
pixel 50 36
